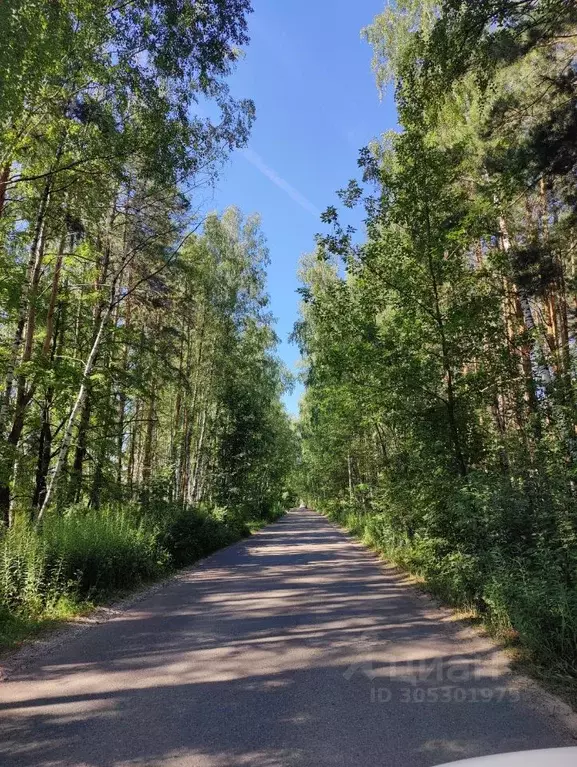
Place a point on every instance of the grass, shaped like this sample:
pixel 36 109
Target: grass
pixel 531 613
pixel 83 559
pixel 18 627
pixel 14 628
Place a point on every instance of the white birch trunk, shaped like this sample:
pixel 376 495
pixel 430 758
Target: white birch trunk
pixel 79 402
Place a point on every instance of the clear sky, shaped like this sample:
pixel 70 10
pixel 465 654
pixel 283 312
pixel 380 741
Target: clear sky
pixel 309 74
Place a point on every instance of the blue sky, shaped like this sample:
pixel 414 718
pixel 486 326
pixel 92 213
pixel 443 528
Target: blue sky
pixel 309 74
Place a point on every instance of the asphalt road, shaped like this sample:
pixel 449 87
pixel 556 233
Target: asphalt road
pixel 295 647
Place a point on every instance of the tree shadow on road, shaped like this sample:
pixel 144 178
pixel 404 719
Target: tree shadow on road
pixel 294 647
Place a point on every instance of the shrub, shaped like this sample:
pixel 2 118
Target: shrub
pixel 190 534
pixel 533 596
pixel 85 555
pixel 25 574
pixel 541 609
pixel 104 552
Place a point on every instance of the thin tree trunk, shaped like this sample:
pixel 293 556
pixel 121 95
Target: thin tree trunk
pixel 26 322
pixel 132 452
pixel 44 451
pixel 79 402
pixel 24 304
pixel 46 436
pixel 148 443
pixel 4 178
pixel 193 495
pixel 350 477
pixel 53 297
pixel 451 405
pixel 185 455
pixel 74 492
pixel 186 460
pixel 23 396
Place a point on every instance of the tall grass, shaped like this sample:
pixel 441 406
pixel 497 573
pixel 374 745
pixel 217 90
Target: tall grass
pixel 529 597
pixel 85 555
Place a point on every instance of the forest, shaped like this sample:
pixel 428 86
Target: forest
pixel 141 423
pixel 440 416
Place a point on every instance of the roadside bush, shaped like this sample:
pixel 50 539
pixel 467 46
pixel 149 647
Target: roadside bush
pixel 102 553
pixel 26 576
pixel 188 535
pixel 541 609
pixel 86 555
pixel 532 597
pixel 80 554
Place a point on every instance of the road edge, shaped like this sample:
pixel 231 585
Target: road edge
pixel 535 695
pixel 35 648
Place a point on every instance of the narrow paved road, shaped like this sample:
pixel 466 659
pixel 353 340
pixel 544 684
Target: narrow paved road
pixel 293 648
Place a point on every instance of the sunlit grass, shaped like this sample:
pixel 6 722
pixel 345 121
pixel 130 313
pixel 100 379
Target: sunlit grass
pixel 81 560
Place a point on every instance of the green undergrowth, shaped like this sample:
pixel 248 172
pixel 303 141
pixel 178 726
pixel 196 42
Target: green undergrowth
pixel 524 602
pixel 81 559
pixel 254 525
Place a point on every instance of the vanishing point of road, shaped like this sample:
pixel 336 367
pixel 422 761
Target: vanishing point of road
pixel 295 647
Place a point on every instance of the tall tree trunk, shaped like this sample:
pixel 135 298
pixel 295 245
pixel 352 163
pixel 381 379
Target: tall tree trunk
pixel 78 403
pixel 98 475
pixel 4 178
pixel 187 473
pixel 195 484
pixel 130 469
pixel 46 435
pixel 76 474
pixel 184 463
pixel 122 397
pixel 50 316
pixel 102 447
pixel 527 312
pixel 148 444
pixel 44 453
pixel 23 396
pixel 26 321
pixel 350 477
pixel 450 404
pixel 24 304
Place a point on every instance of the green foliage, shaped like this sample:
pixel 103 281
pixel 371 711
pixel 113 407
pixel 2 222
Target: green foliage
pixel 532 599
pixel 51 572
pixel 141 423
pixel 440 413
pixel 96 554
pixel 101 157
pixel 187 536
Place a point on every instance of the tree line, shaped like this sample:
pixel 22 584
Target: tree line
pixel 440 416
pixel 141 416
pixel 137 349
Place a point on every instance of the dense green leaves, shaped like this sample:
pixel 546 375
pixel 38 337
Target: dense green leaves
pixel 440 411
pixel 141 422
